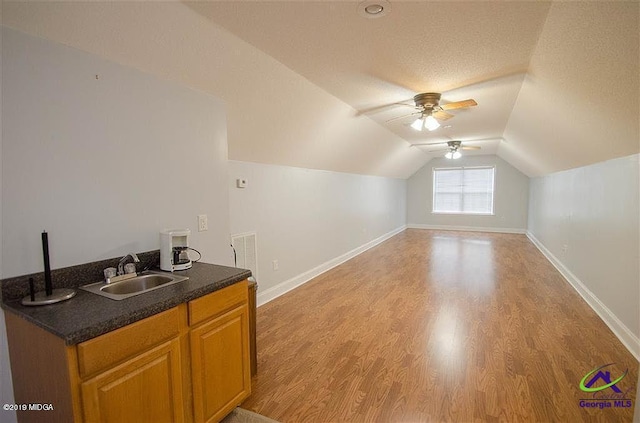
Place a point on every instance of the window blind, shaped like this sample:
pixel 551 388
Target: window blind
pixel 464 190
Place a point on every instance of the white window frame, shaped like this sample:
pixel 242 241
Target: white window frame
pixel 462 168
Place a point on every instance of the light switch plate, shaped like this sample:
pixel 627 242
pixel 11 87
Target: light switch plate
pixel 203 224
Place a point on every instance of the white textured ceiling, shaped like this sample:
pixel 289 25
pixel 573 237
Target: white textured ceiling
pixel 312 84
pixel 452 48
pixel 570 63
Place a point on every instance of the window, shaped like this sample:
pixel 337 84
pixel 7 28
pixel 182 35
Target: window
pixel 463 190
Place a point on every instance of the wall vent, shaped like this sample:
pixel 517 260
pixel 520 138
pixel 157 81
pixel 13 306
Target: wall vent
pixel 245 245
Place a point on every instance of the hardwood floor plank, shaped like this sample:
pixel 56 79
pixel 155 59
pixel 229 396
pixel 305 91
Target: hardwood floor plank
pixel 436 326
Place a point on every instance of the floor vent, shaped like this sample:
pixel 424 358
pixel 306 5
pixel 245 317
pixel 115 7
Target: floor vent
pixel 245 246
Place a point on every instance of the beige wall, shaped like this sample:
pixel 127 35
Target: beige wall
pixel 588 220
pixel 305 218
pixel 104 164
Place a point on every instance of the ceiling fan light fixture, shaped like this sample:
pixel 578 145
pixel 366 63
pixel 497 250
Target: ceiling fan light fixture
pixel 431 123
pixel 453 154
pixel 418 124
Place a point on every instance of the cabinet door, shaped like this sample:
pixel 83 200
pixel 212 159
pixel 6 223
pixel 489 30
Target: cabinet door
pixel 147 388
pixel 220 364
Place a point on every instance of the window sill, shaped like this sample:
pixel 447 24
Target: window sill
pixel 464 214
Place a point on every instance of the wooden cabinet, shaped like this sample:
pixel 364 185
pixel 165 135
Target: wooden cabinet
pixel 188 363
pixel 108 350
pixel 134 374
pixel 43 372
pixel 147 388
pixel 219 339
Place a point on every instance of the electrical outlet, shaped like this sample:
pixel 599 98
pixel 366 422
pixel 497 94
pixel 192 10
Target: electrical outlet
pixel 275 265
pixel 565 247
pixel 203 224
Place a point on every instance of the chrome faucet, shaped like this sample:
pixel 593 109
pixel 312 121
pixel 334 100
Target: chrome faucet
pixel 124 259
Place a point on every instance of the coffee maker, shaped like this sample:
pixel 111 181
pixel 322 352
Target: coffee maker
pixel 174 248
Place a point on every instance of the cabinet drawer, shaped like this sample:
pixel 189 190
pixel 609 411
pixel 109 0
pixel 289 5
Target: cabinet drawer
pixel 217 302
pixel 106 350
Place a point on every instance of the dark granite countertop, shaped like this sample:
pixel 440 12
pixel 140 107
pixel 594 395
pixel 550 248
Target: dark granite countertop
pixel 88 315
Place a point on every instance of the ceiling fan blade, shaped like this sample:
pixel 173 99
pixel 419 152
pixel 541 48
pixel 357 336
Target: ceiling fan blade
pixel 429 143
pixel 382 107
pixel 441 115
pixel 403 116
pixel 471 147
pixel 459 104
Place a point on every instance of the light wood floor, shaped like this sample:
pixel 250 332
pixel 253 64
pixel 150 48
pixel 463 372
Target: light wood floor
pixel 436 326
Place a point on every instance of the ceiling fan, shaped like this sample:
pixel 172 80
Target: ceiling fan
pixel 452 149
pixel 430 111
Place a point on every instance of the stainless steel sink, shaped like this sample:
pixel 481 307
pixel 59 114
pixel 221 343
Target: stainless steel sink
pixel 144 282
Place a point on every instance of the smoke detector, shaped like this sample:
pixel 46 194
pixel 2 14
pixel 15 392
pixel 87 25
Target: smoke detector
pixel 373 9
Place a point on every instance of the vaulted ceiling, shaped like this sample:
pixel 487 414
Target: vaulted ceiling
pixel 556 83
pixel 314 83
pixel 464 50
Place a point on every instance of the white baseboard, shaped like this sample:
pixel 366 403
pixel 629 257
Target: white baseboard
pixel 628 338
pixel 286 286
pixel 466 228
